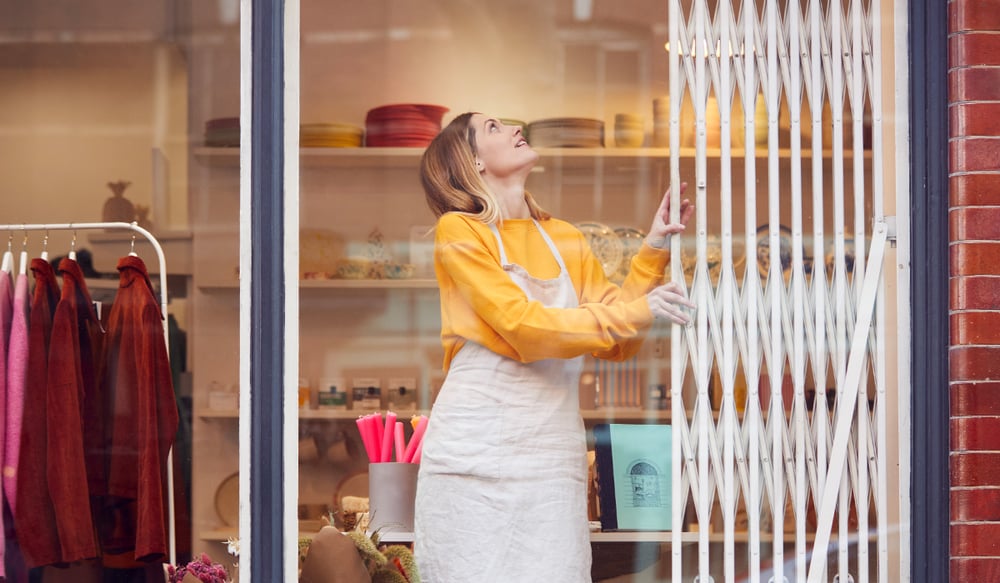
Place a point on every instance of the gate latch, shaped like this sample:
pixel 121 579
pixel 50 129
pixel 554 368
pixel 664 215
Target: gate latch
pixel 890 229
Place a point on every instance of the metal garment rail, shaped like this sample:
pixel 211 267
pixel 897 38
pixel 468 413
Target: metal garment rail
pixel 135 228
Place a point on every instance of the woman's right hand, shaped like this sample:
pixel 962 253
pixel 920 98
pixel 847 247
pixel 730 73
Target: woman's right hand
pixel 668 302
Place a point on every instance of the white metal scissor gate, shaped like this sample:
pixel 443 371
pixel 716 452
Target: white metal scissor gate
pixel 779 401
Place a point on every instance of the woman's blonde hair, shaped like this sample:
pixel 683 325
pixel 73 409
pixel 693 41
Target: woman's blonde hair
pixel 451 181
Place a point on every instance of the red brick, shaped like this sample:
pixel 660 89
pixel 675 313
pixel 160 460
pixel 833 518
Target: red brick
pixel 975 363
pixel 975 189
pixel 975 399
pixel 975 469
pixel 974 83
pixel 979 224
pixel 974 15
pixel 975 154
pixel 975 505
pixel 975 259
pixel 974 49
pixel 975 119
pixel 977 569
pixel 975 434
pixel 975 328
pixel 975 540
pixel 975 293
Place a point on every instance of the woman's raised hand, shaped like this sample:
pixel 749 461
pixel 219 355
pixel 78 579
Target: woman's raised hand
pixel 661 229
pixel 668 302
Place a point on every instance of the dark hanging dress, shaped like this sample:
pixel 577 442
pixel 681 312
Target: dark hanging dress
pixel 71 381
pixel 142 420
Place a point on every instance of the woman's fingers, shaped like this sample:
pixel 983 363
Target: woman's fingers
pixel 668 302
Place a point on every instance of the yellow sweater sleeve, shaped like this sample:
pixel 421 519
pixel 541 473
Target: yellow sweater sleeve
pixel 480 302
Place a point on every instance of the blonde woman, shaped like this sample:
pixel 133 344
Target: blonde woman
pixel 501 493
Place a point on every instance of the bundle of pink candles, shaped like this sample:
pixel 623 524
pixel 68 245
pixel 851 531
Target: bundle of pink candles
pixel 380 436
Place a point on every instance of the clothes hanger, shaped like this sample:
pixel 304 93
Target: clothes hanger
pixel 72 247
pixel 131 251
pixel 8 255
pixel 45 246
pixel 23 270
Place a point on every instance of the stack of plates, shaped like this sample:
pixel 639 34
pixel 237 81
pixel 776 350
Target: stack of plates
pixel 567 132
pixel 329 135
pixel 223 132
pixel 406 125
pixel 661 122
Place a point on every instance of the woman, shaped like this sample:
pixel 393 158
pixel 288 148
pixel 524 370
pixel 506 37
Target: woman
pixel 501 493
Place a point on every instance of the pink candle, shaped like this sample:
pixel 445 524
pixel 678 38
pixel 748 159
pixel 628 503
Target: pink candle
pixel 377 422
pixel 418 451
pixel 365 439
pixel 400 443
pixel 387 435
pixel 418 434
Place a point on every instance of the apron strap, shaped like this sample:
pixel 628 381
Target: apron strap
pixel 545 236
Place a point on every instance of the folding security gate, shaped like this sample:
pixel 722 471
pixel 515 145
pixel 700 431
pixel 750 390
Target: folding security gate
pixel 782 413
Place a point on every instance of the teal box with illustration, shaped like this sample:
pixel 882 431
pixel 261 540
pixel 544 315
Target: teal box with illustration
pixel 634 479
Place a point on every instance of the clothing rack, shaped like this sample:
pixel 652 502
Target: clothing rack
pixel 136 229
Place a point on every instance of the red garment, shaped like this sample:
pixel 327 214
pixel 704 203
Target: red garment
pixel 143 418
pixel 34 518
pixel 71 379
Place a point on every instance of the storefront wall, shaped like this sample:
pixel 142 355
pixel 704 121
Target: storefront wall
pixel 974 170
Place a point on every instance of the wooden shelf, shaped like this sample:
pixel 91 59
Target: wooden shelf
pixel 602 415
pixel 225 534
pixel 565 158
pixel 329 414
pixel 625 415
pixel 335 284
pixel 655 536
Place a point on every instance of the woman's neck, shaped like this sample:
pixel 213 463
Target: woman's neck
pixel 510 197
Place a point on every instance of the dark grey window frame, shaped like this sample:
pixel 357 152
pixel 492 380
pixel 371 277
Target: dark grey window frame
pixel 267 293
pixel 929 332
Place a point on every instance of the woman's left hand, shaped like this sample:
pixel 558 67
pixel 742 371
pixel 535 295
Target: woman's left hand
pixel 661 229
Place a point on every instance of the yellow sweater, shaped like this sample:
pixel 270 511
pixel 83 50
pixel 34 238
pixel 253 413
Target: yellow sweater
pixel 480 302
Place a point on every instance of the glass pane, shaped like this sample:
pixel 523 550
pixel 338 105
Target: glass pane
pixel 107 111
pixel 588 84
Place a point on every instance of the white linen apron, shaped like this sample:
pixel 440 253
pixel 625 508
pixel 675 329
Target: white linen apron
pixel 502 493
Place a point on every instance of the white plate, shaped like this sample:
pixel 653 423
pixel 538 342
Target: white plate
pixel 227 500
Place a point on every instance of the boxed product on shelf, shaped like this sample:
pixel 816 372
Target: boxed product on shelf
pixel 332 394
pixel 222 398
pixel 633 466
pixel 402 394
pixel 366 394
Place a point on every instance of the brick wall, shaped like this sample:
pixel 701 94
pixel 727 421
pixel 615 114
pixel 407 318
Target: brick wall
pixel 974 167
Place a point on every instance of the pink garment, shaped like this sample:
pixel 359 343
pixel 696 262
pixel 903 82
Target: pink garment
pixel 35 516
pixel 17 366
pixel 6 313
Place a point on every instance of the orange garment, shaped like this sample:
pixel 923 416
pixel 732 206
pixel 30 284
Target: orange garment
pixel 480 302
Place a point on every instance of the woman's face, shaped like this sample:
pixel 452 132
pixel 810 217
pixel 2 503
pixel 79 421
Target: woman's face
pixel 501 149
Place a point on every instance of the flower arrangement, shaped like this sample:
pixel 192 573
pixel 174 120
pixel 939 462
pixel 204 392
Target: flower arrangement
pixel 388 564
pixel 202 569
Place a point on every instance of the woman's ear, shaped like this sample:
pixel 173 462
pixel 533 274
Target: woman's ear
pixel 479 164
